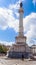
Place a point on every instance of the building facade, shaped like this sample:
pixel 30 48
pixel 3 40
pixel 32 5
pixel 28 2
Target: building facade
pixel 33 49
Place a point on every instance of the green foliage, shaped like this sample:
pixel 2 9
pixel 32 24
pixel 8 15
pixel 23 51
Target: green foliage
pixel 3 49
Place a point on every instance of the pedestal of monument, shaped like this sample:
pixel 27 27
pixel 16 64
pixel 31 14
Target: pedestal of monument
pixel 18 49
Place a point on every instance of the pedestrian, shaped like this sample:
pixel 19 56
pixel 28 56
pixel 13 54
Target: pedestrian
pixel 22 57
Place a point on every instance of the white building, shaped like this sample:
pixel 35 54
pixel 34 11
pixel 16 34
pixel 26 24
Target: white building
pixel 33 49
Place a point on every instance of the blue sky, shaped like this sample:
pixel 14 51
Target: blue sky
pixel 9 20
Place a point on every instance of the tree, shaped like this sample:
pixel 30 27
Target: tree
pixel 3 49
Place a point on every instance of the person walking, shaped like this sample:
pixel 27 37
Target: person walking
pixel 22 57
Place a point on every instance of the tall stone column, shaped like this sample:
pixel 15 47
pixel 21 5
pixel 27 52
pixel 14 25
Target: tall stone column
pixel 21 39
pixel 21 20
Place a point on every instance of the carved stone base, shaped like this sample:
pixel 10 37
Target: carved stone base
pixel 18 54
pixel 20 39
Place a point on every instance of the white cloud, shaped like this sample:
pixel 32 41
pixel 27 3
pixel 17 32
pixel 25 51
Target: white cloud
pixel 6 43
pixel 15 7
pixel 7 19
pixel 29 22
pixel 34 2
pixel 30 28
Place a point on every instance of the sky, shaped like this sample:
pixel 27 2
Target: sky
pixel 9 21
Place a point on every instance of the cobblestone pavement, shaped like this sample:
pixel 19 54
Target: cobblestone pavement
pixel 6 61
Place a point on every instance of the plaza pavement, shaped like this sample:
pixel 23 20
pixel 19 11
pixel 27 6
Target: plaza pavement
pixel 7 61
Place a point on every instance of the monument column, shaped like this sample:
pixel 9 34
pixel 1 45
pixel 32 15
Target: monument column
pixel 21 20
pixel 21 39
